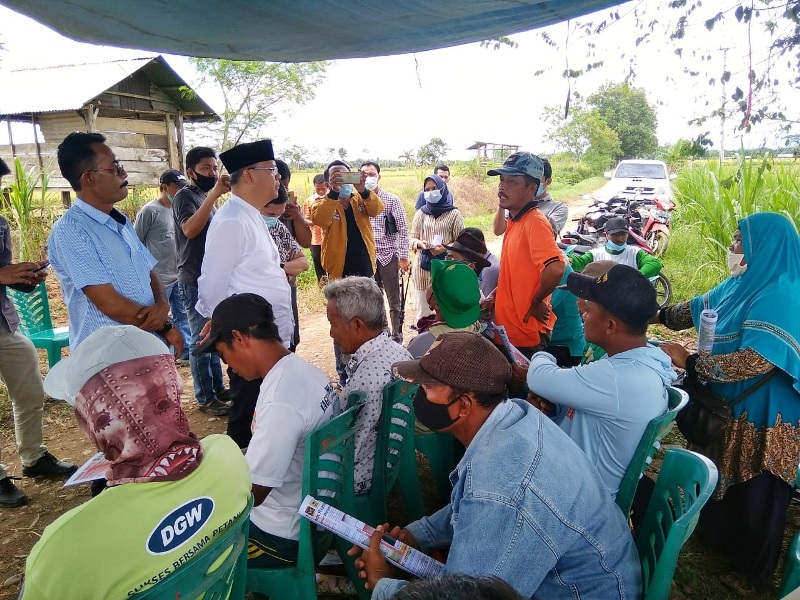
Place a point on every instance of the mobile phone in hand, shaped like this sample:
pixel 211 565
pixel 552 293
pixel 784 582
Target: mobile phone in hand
pixel 351 177
pixel 42 268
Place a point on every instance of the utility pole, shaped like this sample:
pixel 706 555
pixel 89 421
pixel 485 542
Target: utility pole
pixel 724 100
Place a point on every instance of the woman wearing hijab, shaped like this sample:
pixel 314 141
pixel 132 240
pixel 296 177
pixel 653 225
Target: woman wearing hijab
pixel 169 493
pixel 436 223
pixel 756 348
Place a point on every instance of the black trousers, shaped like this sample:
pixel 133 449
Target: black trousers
pixel 240 417
pixel 747 526
pixel 316 258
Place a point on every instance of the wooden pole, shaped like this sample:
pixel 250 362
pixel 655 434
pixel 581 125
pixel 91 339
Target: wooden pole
pixel 181 146
pixel 91 118
pixel 11 139
pixel 38 147
pixel 172 150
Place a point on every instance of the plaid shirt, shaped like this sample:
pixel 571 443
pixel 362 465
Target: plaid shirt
pixel 396 244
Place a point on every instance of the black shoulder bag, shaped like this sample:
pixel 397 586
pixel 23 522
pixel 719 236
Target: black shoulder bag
pixel 703 420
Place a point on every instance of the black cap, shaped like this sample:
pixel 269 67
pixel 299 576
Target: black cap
pixel 623 291
pixel 239 312
pixel 173 176
pixel 245 155
pixel 4 170
pixel 616 225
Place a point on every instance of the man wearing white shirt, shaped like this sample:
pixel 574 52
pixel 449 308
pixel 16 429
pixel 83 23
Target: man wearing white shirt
pixel 242 258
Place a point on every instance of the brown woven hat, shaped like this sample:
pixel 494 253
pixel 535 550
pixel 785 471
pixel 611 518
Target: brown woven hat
pixel 461 359
pixel 471 247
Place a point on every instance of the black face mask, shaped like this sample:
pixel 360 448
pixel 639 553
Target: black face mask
pixel 433 416
pixel 204 182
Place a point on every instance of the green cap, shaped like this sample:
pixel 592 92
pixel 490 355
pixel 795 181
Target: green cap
pixel 521 163
pixel 455 287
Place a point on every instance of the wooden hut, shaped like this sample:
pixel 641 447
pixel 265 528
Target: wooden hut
pixel 140 105
pixel 492 151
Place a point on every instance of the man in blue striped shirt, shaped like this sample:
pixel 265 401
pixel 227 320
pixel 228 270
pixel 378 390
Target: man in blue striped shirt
pixel 106 273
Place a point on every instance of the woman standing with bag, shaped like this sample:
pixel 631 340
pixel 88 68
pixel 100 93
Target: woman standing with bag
pixel 436 222
pixel 755 363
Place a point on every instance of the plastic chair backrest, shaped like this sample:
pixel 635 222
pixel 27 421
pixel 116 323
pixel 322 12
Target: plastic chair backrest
pixel 685 482
pixel 328 476
pixel 33 310
pixel 790 581
pixel 218 573
pixel 648 446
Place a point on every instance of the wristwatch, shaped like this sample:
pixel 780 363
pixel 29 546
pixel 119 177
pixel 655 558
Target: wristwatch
pixel 168 325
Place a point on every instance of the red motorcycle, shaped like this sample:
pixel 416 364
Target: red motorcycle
pixel 656 220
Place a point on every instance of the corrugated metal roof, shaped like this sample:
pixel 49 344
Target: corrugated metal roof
pixel 297 30
pixel 69 87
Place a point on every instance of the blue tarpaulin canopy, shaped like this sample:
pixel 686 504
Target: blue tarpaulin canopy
pixel 296 30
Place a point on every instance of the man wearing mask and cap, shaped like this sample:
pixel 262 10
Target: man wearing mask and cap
pixel 390 229
pixel 169 493
pixel 193 209
pixel 155 227
pixel 242 257
pixel 532 264
pixel 618 250
pixel 106 273
pixel 510 484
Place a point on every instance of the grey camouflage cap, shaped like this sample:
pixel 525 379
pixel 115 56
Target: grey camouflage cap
pixel 521 163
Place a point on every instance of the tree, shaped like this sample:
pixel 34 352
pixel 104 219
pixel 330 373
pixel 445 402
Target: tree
pixel 433 152
pixel 331 151
pixel 296 155
pixel 342 152
pixel 584 134
pixel 407 157
pixel 626 111
pixel 253 92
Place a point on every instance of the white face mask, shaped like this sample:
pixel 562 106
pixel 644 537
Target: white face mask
pixel 432 197
pixel 371 183
pixel 735 264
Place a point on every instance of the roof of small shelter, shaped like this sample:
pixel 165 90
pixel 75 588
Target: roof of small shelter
pixel 297 30
pixel 61 88
pixel 479 145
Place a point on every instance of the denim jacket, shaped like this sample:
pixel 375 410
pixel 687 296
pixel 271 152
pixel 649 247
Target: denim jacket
pixel 528 507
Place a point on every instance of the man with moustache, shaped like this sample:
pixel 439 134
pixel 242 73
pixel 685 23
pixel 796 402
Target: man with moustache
pixel 193 209
pixel 532 264
pixel 243 258
pixel 106 273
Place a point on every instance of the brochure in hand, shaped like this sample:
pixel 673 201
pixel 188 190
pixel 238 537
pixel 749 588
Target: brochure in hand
pixel 355 531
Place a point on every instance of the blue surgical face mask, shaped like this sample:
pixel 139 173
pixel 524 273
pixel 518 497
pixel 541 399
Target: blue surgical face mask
pixel 612 247
pixel 433 196
pixel 346 190
pixel 540 191
pixel 270 221
pixel 170 197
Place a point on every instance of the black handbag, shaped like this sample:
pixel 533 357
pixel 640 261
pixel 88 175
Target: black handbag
pixel 703 420
pixel 425 259
pixel 389 224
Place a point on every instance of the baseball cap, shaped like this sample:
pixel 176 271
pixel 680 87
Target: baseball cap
pixel 468 245
pixel 461 359
pixel 239 312
pixel 521 163
pixel 105 347
pixel 173 176
pixel 455 286
pixel 623 291
pixel 616 225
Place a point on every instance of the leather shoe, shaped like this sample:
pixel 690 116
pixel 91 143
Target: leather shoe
pixel 215 408
pixel 10 495
pixel 49 466
pixel 224 395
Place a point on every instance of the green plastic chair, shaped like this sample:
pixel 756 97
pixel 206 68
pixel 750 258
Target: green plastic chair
pixel 648 446
pixel 791 568
pixel 685 483
pixel 394 447
pixel 328 476
pixel 218 573
pixel 36 324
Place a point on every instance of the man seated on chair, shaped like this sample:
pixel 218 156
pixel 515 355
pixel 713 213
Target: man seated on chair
pixel 527 506
pixel 295 398
pixel 357 316
pixel 605 406
pixel 454 298
pixel 169 496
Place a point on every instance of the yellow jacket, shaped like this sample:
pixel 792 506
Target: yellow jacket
pixel 330 216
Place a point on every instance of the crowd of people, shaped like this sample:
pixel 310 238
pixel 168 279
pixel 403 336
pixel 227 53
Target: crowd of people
pixel 539 365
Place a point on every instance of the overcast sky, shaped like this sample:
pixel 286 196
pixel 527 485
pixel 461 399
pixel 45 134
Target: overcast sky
pixel 468 93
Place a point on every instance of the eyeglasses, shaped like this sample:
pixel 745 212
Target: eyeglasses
pixel 273 169
pixel 117 167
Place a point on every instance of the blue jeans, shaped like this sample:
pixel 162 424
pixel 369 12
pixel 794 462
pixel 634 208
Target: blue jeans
pixel 206 368
pixel 179 316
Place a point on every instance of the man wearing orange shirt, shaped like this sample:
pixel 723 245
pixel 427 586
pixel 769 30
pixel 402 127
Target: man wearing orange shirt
pixel 532 263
